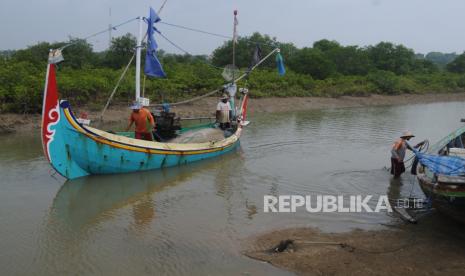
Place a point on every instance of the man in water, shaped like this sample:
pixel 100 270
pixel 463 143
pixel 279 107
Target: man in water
pixel 222 112
pixel 398 153
pixel 141 117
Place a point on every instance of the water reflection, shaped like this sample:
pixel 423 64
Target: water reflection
pixel 90 200
pixel 81 208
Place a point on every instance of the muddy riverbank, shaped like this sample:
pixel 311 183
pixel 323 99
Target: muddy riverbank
pixel 206 107
pixel 435 246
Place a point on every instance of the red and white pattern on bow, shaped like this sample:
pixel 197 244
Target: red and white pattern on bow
pixel 50 110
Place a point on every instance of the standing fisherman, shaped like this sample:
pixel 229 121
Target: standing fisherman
pixel 141 117
pixel 222 112
pixel 398 153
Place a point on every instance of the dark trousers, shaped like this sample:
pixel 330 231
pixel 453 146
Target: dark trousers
pixel 224 126
pixel 144 136
pixel 397 167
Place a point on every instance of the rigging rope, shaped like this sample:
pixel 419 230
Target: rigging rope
pixel 190 100
pixel 99 33
pixel 186 52
pixel 195 30
pixel 116 87
pixel 114 27
pixel 218 90
pixel 217 35
pixel 162 6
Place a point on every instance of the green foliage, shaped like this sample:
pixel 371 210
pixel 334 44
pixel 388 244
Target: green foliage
pixel 440 59
pixel 394 58
pixel 458 65
pixel 21 87
pixel 326 69
pixel 120 52
pixel 245 47
pixel 313 62
pixel 78 54
pixel 385 82
pixel 266 83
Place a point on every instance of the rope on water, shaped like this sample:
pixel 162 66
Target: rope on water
pixel 285 244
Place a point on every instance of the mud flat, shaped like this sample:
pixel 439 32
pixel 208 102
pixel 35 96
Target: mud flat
pixel 206 107
pixel 435 246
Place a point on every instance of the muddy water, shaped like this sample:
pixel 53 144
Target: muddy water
pixel 195 219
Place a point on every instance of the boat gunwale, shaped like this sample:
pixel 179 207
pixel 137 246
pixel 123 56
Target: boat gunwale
pixel 101 136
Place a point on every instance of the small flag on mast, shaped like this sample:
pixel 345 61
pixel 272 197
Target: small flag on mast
pixel 280 64
pixel 153 66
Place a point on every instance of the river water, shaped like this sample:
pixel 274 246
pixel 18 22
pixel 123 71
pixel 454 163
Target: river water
pixel 198 219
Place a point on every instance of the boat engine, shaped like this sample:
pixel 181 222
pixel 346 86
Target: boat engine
pixel 167 125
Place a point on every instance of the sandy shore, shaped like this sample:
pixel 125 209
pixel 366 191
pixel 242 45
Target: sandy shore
pixel 206 107
pixel 435 246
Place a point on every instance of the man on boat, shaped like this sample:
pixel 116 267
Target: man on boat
pixel 142 118
pixel 398 153
pixel 223 110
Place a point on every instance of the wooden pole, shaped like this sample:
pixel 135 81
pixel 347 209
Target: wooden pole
pixel 234 44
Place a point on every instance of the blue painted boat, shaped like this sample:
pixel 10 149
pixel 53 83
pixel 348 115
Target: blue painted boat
pixel 75 150
pixel 446 192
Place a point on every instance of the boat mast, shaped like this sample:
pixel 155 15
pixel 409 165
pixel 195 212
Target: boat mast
pixel 109 29
pixel 234 45
pixel 138 57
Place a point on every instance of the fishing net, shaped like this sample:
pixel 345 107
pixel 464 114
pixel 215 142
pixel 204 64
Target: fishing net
pixel 200 136
pixel 230 72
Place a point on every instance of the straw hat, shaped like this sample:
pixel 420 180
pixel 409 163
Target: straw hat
pixel 407 134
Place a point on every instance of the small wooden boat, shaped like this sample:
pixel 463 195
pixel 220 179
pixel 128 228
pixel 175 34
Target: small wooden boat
pixel 75 150
pixel 446 192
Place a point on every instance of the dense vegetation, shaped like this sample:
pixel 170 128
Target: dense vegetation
pixel 325 69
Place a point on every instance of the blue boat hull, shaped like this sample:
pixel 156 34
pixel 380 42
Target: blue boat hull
pixel 75 150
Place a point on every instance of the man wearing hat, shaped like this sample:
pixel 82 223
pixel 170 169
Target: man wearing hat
pixel 398 153
pixel 144 122
pixel 222 112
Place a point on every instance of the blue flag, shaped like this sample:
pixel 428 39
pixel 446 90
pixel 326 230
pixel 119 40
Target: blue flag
pixel 280 63
pixel 153 66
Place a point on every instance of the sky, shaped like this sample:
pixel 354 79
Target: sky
pixel 423 25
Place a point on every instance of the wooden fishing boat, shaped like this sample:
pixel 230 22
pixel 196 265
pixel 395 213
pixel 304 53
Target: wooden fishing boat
pixel 446 192
pixel 75 149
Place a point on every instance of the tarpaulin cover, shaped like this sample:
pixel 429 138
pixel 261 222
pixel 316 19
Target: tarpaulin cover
pixel 444 165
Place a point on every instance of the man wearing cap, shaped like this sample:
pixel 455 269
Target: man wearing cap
pixel 398 153
pixel 141 117
pixel 222 112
